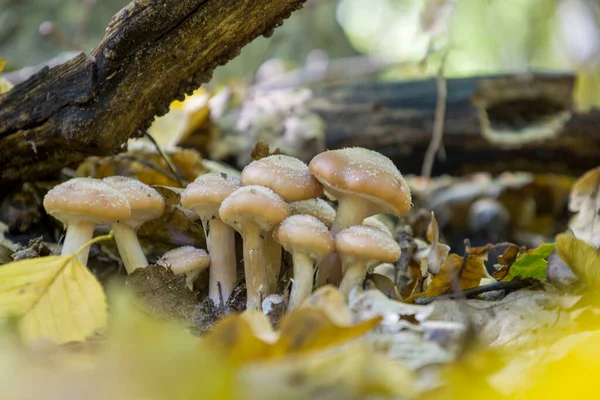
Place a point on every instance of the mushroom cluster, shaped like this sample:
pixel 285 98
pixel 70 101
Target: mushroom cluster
pixel 276 205
pixel 122 202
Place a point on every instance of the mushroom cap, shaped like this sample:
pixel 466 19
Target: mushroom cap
pixel 287 176
pixel 377 223
pixel 365 173
pixel 145 202
pixel 367 243
pixel 304 233
pixel 207 192
pixel 318 208
pixel 185 259
pixel 253 204
pixel 86 199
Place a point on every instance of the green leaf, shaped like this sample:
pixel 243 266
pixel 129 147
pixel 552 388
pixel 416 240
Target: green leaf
pixel 531 264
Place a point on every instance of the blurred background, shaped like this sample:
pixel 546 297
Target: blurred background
pixel 479 36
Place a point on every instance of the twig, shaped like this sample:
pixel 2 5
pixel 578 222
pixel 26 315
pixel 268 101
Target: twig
pixel 167 160
pixel 512 285
pixel 438 123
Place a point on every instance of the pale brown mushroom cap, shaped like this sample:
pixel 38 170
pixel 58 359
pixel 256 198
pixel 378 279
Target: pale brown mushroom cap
pixel 367 243
pixel 304 233
pixel 317 208
pixel 86 199
pixel 145 202
pixel 185 259
pixel 363 172
pixel 208 191
pixel 256 204
pixel 287 176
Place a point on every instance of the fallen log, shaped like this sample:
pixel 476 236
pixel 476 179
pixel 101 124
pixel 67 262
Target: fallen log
pixel 494 123
pixel 154 51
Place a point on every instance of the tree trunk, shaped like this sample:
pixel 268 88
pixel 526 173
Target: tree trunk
pixel 154 51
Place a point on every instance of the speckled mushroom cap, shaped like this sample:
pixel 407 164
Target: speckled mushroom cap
pixel 287 176
pixel 304 233
pixel 185 259
pixel 145 203
pixel 363 172
pixel 207 192
pixel 318 208
pixel 86 199
pixel 367 243
pixel 584 187
pixel 256 204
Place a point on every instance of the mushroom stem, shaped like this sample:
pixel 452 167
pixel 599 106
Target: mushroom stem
pixel 273 258
pixel 351 210
pixel 257 284
pixel 223 271
pixel 78 234
pixel 129 247
pixel 302 283
pixel 354 274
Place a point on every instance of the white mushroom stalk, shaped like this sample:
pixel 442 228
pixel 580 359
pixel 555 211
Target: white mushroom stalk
pixel 289 178
pixel 146 204
pixel 308 240
pixel 253 211
pixel 81 204
pixel 204 196
pixel 361 247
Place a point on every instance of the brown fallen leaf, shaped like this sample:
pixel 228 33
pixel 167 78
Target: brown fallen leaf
pixel 442 282
pixel 261 150
pixel 146 165
pixel 582 258
pixel 305 330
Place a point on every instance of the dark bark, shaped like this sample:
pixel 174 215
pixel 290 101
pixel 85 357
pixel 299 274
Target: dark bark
pixel 154 51
pixel 491 123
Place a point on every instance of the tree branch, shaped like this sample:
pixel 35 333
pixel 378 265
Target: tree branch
pixel 154 51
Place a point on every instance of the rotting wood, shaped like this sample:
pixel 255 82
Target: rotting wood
pixel 154 51
pixel 494 124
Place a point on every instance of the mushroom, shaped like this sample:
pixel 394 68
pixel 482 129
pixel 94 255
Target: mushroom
pixel 308 240
pixel 186 260
pixel 204 196
pixel 318 208
pixel 585 201
pixel 146 204
pixel 364 183
pixel 377 223
pixel 291 179
pixel 361 247
pixel 81 204
pixel 252 211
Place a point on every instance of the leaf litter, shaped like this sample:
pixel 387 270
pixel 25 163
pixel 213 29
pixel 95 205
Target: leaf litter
pixel 496 322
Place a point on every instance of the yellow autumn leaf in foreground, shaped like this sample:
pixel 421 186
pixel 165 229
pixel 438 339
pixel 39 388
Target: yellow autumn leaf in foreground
pixel 55 298
pixel 244 338
pixel 583 259
pixel 5 86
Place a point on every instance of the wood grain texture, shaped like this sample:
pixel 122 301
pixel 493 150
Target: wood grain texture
pixel 154 51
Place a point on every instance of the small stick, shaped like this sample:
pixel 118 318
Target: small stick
pixel 167 160
pixel 513 285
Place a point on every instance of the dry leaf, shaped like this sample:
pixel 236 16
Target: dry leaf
pixel 581 258
pixel 146 165
pixel 302 331
pixel 55 298
pixel 585 201
pixel 442 282
pixel 437 252
pixel 261 150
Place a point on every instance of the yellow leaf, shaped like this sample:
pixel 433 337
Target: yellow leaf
pixel 243 339
pixel 581 258
pixel 55 298
pixel 5 86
